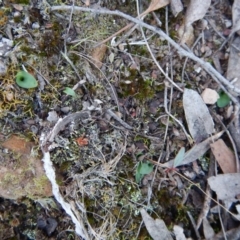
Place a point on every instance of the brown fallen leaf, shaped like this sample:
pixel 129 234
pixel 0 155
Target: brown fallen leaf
pixel 98 55
pixel 156 4
pixel 196 10
pixel 224 156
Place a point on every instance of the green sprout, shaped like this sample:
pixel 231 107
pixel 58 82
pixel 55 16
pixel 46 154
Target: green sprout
pixel 223 100
pixel 143 168
pixel 26 80
pixel 70 92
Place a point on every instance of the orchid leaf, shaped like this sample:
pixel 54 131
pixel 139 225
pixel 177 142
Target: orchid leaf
pixel 223 100
pixel 26 80
pixel 143 168
pixel 70 92
pixel 179 158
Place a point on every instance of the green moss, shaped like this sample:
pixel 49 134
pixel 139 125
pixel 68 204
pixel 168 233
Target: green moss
pixel 41 182
pixel 142 139
pixel 28 50
pixel 173 210
pixel 139 88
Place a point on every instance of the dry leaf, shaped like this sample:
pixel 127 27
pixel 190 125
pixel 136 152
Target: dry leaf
pixel 156 228
pixel 197 151
pixel 236 16
pixel 226 186
pixel 233 61
pixel 207 229
pixel 224 156
pixel 154 5
pixel 178 231
pixel 18 7
pixel 186 34
pixel 209 96
pixel 196 10
pixel 98 55
pixel 199 120
pixel 176 7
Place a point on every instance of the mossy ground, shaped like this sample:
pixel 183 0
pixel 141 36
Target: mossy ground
pixel 100 174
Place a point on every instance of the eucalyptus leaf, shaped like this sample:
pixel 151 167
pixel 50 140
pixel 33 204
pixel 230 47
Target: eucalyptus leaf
pixel 223 100
pixel 70 92
pixel 26 80
pixel 143 168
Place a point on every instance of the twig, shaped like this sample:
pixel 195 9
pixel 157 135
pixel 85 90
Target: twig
pixel 194 225
pixel 112 114
pixel 207 200
pixel 205 65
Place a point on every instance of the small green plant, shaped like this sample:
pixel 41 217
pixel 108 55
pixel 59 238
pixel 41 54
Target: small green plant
pixel 179 158
pixel 26 80
pixel 143 168
pixel 70 92
pixel 223 100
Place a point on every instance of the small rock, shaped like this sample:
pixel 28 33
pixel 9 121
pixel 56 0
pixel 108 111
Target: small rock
pixel 52 117
pixel 65 109
pixel 209 96
pixel 48 225
pixel 35 25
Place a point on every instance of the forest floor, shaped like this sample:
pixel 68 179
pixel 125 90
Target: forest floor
pixel 112 118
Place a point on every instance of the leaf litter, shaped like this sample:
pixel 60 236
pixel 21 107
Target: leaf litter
pixel 111 137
